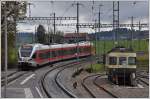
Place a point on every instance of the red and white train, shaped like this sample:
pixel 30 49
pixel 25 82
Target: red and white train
pixel 38 54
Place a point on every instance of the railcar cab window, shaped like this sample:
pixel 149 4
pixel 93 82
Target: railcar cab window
pixel 122 60
pixel 26 51
pixel 34 56
pixel 112 60
pixel 131 61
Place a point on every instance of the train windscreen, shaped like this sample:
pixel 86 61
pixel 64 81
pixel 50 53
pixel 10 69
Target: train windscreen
pixel 112 60
pixel 131 61
pixel 26 51
pixel 122 60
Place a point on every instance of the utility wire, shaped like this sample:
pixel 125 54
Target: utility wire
pixel 66 10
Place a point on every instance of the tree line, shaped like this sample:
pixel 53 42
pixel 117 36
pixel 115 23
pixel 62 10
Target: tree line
pixel 14 10
pixel 43 37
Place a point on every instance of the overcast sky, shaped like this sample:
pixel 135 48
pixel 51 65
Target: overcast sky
pixel 139 10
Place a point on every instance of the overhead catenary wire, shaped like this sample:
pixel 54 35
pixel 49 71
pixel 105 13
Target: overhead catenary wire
pixel 66 10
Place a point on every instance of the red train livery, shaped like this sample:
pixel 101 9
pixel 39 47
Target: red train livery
pixel 38 54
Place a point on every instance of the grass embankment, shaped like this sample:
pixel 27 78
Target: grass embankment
pixel 141 45
pixel 95 68
pixel 12 57
pixel 143 61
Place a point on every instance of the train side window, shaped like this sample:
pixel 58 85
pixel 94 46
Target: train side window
pixel 34 56
pixel 64 52
pixel 53 54
pixel 112 60
pixel 48 54
pixel 56 52
pixel 122 60
pixel 72 51
pixel 44 55
pixel 41 55
pixel 131 61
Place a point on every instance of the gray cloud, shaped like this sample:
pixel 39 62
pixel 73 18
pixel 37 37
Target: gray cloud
pixel 65 8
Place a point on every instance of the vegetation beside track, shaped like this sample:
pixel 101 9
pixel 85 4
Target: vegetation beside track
pixel 95 68
pixel 138 45
pixel 143 61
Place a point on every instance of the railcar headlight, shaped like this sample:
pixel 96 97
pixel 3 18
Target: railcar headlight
pixel 30 59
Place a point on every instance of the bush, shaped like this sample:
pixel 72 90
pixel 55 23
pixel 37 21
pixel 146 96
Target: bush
pixel 89 70
pixel 12 57
pixel 76 73
pixel 143 60
pixel 95 68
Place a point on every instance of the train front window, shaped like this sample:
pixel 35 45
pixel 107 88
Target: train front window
pixel 122 60
pixel 131 61
pixel 112 60
pixel 26 51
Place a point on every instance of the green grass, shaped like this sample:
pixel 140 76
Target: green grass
pixel 141 45
pixel 143 61
pixel 96 67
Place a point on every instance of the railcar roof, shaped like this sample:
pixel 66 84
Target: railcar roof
pixel 121 49
pixel 42 46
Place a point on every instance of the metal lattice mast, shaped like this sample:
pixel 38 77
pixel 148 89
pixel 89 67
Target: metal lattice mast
pixel 54 30
pixel 99 25
pixel 115 21
pixel 77 26
pixel 77 31
pixel 139 34
pixel 116 26
pixel 131 34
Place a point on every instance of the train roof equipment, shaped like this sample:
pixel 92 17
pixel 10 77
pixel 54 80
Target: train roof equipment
pixel 121 49
pixel 42 46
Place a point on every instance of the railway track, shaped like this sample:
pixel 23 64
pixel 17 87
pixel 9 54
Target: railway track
pixel 98 91
pixel 143 76
pixel 86 87
pixel 2 77
pixel 144 81
pixel 56 83
pixel 59 78
pixel 101 87
pixel 16 75
pixel 12 77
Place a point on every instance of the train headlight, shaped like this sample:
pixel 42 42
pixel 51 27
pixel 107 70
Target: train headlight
pixel 30 59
